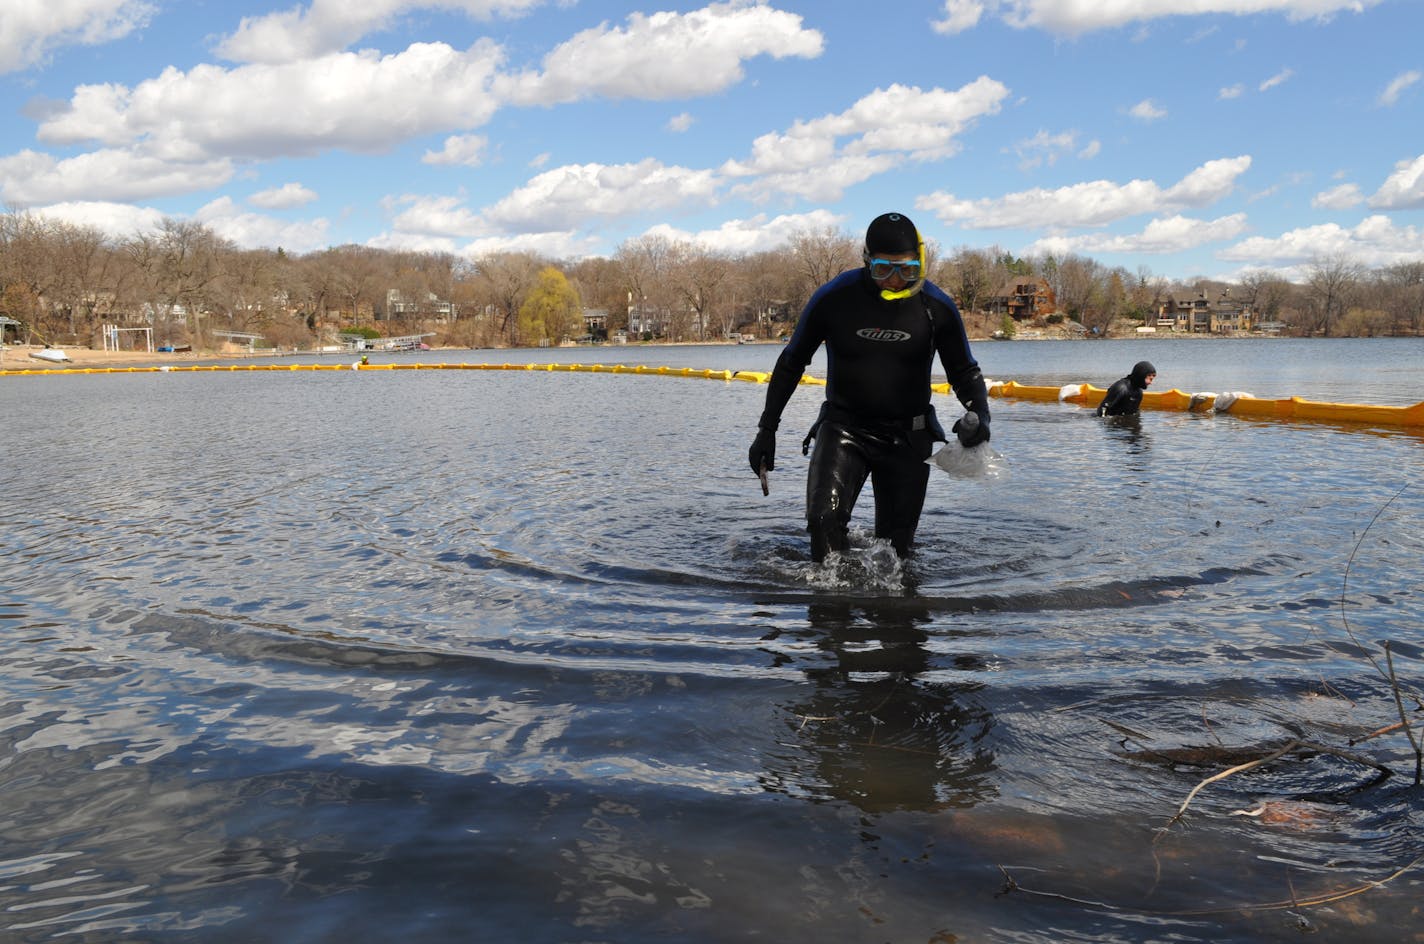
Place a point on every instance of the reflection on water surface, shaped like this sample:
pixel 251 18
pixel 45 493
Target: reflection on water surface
pixel 452 655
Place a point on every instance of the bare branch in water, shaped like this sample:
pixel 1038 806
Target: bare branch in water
pixel 1292 903
pixel 1295 745
pixel 1403 718
pixel 1324 898
pixel 1239 768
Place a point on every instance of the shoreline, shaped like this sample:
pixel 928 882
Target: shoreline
pixel 16 357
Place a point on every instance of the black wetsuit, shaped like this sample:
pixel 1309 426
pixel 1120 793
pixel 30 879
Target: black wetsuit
pixel 877 420
pixel 1124 397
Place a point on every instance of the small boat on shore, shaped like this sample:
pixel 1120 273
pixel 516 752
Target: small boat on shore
pixel 52 354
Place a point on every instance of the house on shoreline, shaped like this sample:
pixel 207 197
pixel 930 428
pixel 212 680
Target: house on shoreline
pixel 1201 315
pixel 1023 300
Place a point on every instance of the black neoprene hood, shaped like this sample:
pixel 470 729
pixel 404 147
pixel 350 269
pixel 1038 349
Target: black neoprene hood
pixel 892 233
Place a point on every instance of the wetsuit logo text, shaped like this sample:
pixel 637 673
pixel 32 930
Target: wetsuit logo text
pixel 882 334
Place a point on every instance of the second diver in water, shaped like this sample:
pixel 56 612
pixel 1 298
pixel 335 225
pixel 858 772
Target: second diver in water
pixel 1124 397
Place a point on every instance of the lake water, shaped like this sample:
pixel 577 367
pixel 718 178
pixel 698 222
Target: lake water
pixel 527 656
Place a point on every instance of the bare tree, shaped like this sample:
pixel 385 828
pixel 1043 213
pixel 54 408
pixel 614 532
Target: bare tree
pixel 504 278
pixel 819 255
pixel 1401 294
pixel 769 287
pixel 646 264
pixel 1330 281
pixel 970 275
pixel 1264 293
pixel 247 292
pixel 26 272
pixel 358 278
pixel 698 275
pixel 1145 294
pixel 1082 292
pixel 76 257
pixel 600 284
pixel 180 265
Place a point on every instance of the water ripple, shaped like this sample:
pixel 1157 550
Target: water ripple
pixel 491 656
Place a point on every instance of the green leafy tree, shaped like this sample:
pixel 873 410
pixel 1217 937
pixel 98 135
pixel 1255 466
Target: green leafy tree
pixel 551 311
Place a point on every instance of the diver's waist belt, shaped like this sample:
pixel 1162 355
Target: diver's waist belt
pixel 911 424
pixel 835 414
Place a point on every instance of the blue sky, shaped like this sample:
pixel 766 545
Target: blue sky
pixel 1185 137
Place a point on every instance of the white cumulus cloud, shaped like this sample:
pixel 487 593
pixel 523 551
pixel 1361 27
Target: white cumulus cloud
pixel 31 29
pixel 1342 197
pixel 1404 189
pixel 357 101
pixel 959 15
pixel 327 26
pixel 552 245
pixel 754 234
pixel 284 197
pixel 818 158
pixel 664 55
pixel 118 220
pixel 1376 241
pixel 1092 203
pixel 462 149
pixel 255 231
pixel 565 197
pixel 1160 236
pixel 31 178
pixel 437 216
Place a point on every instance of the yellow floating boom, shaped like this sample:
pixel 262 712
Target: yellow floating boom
pixel 1235 404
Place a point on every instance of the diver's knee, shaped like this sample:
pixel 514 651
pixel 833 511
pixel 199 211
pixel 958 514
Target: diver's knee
pixel 829 521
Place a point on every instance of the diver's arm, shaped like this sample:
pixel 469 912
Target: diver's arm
pixel 960 367
pixel 791 364
pixel 1112 400
pixel 784 379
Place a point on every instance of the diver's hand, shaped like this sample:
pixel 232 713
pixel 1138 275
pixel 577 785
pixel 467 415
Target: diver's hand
pixel 762 454
pixel 972 429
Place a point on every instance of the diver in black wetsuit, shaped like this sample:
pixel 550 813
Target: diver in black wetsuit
pixel 882 325
pixel 1124 397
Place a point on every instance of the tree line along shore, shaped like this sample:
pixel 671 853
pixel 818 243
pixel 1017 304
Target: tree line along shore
pixel 183 286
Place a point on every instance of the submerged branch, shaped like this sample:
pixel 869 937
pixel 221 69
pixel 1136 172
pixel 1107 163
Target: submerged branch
pixel 1289 904
pixel 1296 745
pixel 1323 898
pixel 1239 768
pixel 1404 718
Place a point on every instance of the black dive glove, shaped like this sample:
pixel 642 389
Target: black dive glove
pixel 762 454
pixel 972 429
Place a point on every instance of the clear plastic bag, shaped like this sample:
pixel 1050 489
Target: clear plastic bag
pixel 976 462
